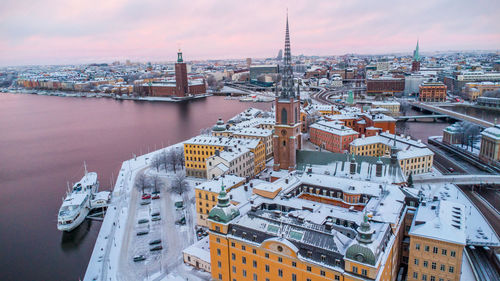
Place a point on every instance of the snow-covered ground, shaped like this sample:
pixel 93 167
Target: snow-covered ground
pixel 118 243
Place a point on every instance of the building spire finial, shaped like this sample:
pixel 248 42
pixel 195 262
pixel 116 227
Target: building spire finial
pixel 287 81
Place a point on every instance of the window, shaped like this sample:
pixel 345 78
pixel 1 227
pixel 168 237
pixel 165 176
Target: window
pixel 220 276
pixel 280 259
pixel 364 272
pixel 443 268
pixel 254 264
pixel 267 255
pixel 322 273
pixel 424 277
pixel 244 273
pixel 451 269
pixel 427 248
pixel 308 268
pixel 218 252
pixel 267 268
pixel 435 250
pixel 433 265
pixel 218 240
pixel 255 277
pixel 453 253
pixel 280 273
pixel 355 269
pixel 243 260
pixel 219 264
pixel 284 116
pixel 294 264
pixel 254 251
pixel 337 277
pixel 234 269
pixel 294 277
pixel 415 261
pixel 426 263
pixel 233 256
pixel 243 247
pixel 415 275
pixel 433 278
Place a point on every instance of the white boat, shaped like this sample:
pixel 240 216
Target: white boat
pixel 76 205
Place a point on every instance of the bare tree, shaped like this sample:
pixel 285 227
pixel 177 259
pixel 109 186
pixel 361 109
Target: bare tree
pixel 172 159
pixel 179 155
pixel 179 184
pixel 211 81
pixel 164 159
pixel 156 161
pixel 157 183
pixel 141 182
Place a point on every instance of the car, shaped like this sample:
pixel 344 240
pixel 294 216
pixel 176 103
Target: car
pixel 451 169
pixel 156 248
pixel 142 232
pixel 139 258
pixel 155 213
pixel 157 196
pixel 156 218
pixel 155 192
pixel 146 196
pixel 155 242
pixel 146 202
pixel 143 221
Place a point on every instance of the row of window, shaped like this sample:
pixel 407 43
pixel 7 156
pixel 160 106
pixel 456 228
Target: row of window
pixel 451 269
pixel 435 250
pixel 424 277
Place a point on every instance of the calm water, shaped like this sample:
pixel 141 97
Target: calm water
pixel 43 143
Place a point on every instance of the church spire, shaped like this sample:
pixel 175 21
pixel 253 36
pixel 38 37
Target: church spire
pixel 287 80
pixel 416 55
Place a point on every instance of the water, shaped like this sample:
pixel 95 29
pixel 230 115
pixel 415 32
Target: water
pixel 43 143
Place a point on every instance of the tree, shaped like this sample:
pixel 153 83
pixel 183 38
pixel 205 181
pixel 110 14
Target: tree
pixel 157 183
pixel 171 159
pixel 164 160
pixel 410 180
pixel 179 184
pixel 141 182
pixel 157 161
pixel 179 155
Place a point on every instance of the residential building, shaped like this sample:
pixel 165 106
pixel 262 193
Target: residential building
pixel 232 161
pixel 198 255
pixel 332 136
pixel 432 92
pixel 392 106
pixel 476 90
pixel 437 240
pixel 490 144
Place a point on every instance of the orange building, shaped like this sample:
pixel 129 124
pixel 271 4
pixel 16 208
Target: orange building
pixel 432 92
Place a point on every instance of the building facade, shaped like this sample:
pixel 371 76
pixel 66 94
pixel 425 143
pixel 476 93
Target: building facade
pixel 490 144
pixel 332 136
pixel 432 92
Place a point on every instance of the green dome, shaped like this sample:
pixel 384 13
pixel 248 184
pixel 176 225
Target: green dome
pixel 224 211
pixel 361 254
pixel 219 126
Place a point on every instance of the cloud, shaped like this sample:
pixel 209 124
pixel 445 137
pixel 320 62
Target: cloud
pixel 57 31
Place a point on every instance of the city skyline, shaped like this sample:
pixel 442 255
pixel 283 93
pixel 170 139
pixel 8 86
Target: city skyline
pixel 56 32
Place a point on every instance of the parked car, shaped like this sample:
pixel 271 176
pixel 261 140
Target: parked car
pixel 156 196
pixel 146 196
pixel 155 242
pixel 156 218
pixel 143 221
pixel 156 248
pixel 142 232
pixel 146 202
pixel 139 258
pixel 451 169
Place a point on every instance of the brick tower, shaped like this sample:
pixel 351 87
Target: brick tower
pixel 287 137
pixel 181 80
pixel 415 64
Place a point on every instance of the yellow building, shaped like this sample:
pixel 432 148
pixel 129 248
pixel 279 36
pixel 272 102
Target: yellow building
pixel 477 89
pixel 437 240
pixel 207 192
pixel 413 156
pixel 266 244
pixel 196 152
pixel 392 107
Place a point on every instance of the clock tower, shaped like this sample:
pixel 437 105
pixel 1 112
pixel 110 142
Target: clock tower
pixel 287 137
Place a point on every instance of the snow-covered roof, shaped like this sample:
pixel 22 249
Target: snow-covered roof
pixel 441 220
pixel 333 127
pixel 200 249
pixel 492 132
pixel 215 184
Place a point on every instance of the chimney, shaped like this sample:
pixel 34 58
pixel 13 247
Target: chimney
pixel 328 225
pixel 286 180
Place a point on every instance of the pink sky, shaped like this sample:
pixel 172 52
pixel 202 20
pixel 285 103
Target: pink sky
pixel 64 32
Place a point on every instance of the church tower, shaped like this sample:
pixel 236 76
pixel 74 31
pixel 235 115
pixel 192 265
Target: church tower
pixel 415 65
pixel 287 137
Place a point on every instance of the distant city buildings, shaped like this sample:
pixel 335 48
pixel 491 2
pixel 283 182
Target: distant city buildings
pixel 432 92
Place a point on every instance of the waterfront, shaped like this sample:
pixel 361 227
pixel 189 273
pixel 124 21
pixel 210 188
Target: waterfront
pixel 43 145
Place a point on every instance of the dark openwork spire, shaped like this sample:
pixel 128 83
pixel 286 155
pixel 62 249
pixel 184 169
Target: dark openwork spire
pixel 287 90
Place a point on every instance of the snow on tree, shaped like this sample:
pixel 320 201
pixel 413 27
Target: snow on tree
pixel 179 184
pixel 141 182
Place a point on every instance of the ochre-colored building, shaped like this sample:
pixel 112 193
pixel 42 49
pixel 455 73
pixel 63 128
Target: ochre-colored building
pixel 432 92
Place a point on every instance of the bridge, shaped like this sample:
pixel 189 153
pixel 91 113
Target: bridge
pixel 452 114
pixel 457 179
pixel 416 117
